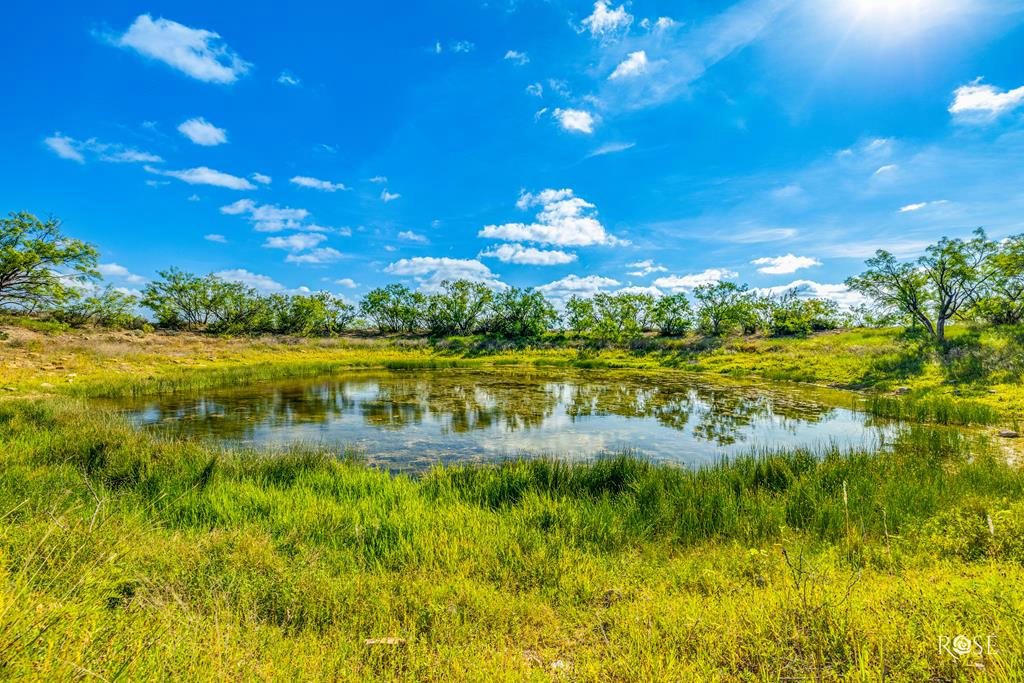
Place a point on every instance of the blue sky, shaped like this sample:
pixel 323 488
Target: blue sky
pixel 570 146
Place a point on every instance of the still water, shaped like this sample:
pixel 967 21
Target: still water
pixel 409 420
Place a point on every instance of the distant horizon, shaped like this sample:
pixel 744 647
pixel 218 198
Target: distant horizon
pixel 573 147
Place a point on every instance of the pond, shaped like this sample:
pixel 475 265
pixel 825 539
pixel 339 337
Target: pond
pixel 409 420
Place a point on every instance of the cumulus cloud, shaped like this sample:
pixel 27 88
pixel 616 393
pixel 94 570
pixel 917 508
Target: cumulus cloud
pixel 196 52
pixel 633 65
pixel 202 175
pixel 317 184
pixel 679 283
pixel 575 120
pixel 519 58
pixel 67 147
pixel 574 285
pixel 263 283
pixel 346 282
pixel 410 236
pixel 202 132
pixel 563 219
pixel 319 256
pixel 523 255
pixel 981 103
pixel 429 271
pixel 118 271
pixel 650 291
pixel 215 237
pixel 644 268
pixel 386 196
pixel 810 289
pixel 299 241
pixel 783 265
pixel 605 22
pixel 267 217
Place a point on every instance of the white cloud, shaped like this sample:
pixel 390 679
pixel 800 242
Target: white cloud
pixel 288 79
pixel 604 21
pixel 67 147
pixel 783 265
pixel 564 220
pixel 267 217
pixel 660 24
pixel 535 89
pixel 518 253
pixel 575 120
pixel 612 148
pixel 346 282
pixel 884 170
pixel 64 147
pixel 765 235
pixel 574 285
pixel 317 184
pixel 807 289
pixel 299 241
pixel 920 205
pixel 120 272
pixel 462 46
pixel 519 58
pixel 652 291
pixel 196 52
pixel 979 103
pixel 206 176
pixel 430 271
pixel 644 268
pixel 379 179
pixel 215 237
pixel 263 283
pixel 202 132
pixel 157 183
pixel 899 248
pixel 316 256
pixel 410 236
pixel 678 283
pixel 386 196
pixel 193 198
pixel 634 65
pixel 260 178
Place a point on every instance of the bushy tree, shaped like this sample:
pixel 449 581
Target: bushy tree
pixel 793 315
pixel 721 307
pixel 672 315
pixel 952 275
pixel 520 314
pixel 1003 303
pixel 394 308
pixel 40 267
pixel 621 318
pixel 458 308
pixel 310 315
pixel 580 316
pixel 106 308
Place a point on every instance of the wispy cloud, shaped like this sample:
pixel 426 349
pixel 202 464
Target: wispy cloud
pixel 198 53
pixel 317 184
pixel 612 148
pixel 517 57
pixel 67 147
pixel 203 175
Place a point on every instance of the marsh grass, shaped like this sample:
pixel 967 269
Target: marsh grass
pixel 932 409
pixel 125 553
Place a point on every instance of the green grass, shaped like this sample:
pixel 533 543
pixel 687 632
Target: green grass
pixel 932 409
pixel 124 554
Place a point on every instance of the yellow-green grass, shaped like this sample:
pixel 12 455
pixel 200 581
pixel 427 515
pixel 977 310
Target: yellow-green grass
pixel 126 555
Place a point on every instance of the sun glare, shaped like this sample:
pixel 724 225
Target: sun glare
pixel 898 16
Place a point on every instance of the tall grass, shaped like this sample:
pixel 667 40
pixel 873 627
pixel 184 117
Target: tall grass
pixel 932 409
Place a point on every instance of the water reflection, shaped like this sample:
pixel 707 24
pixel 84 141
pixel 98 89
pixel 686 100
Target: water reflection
pixel 409 419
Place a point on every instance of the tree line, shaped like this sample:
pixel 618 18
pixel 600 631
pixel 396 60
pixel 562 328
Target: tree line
pixel 45 272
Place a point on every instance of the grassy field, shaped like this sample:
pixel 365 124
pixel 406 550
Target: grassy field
pixel 127 555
